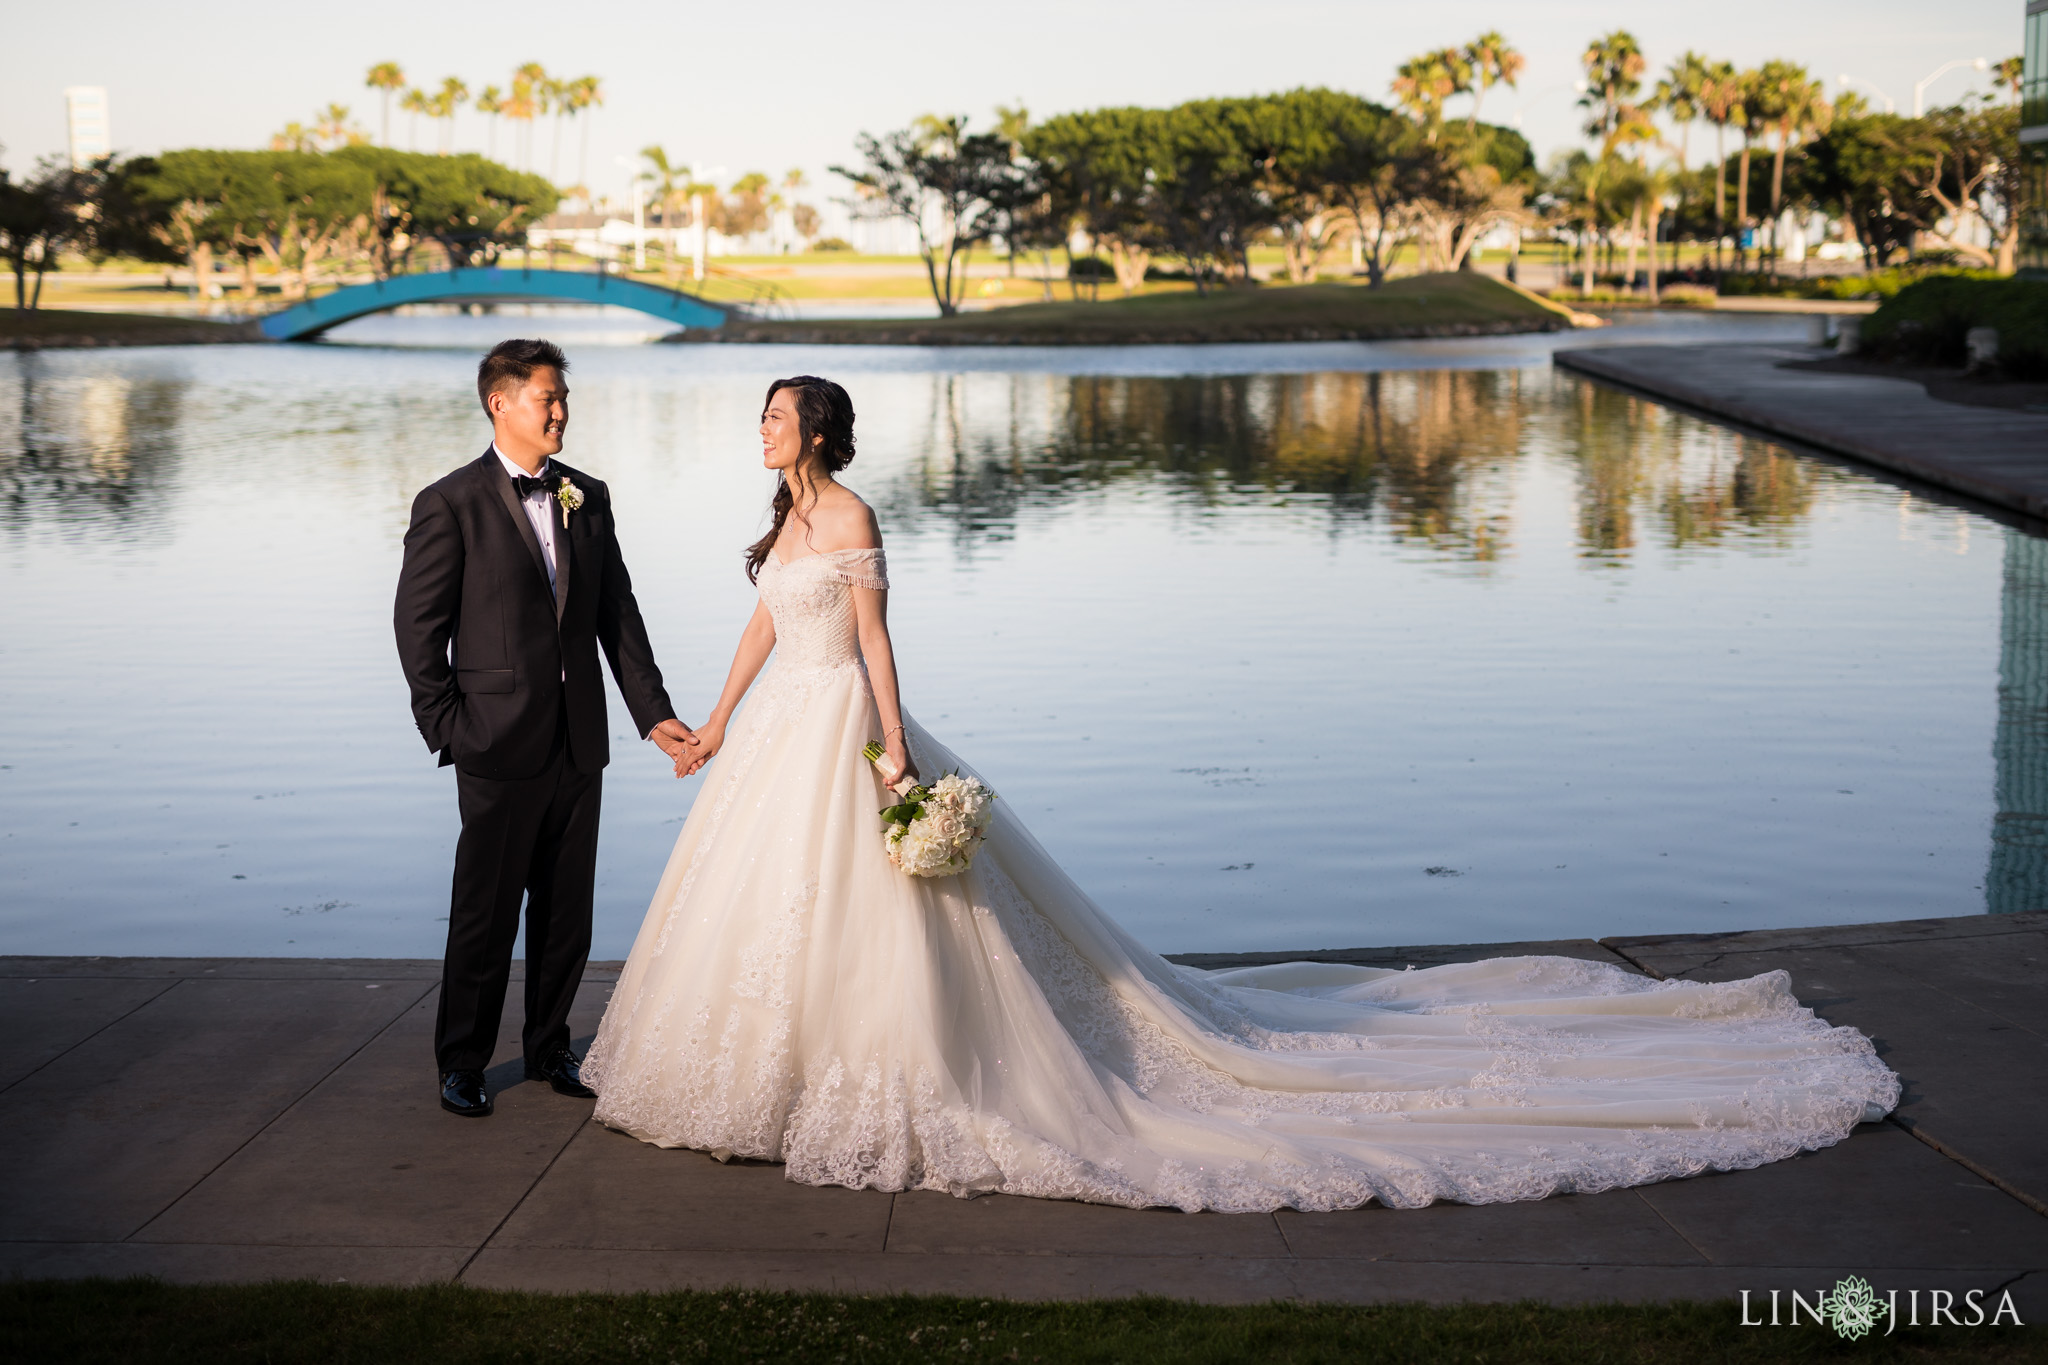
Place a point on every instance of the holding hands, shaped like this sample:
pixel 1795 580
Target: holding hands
pixel 689 749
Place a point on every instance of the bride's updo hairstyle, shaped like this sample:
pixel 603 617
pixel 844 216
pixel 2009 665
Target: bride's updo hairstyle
pixel 822 409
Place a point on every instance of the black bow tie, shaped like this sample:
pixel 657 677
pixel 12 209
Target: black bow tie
pixel 546 483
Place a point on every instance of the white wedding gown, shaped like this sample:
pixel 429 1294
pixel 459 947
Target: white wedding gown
pixel 794 997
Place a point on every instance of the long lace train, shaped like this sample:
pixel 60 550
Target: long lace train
pixel 794 997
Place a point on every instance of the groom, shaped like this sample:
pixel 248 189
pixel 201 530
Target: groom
pixel 512 582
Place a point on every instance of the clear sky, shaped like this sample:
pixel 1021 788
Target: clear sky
pixel 768 87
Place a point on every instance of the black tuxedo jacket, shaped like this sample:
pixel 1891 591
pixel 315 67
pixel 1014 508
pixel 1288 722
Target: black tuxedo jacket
pixel 494 660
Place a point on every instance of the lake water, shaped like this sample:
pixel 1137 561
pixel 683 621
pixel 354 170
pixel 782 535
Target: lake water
pixel 1277 647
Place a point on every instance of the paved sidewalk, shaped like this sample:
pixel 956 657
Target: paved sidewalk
pixel 1998 456
pixel 259 1119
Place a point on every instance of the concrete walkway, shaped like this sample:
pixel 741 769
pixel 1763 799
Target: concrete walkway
pixel 204 1119
pixel 1997 456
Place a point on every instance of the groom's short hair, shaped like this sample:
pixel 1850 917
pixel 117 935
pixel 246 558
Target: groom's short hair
pixel 511 363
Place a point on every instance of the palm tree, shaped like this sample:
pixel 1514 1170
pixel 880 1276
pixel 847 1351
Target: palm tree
pixel 522 105
pixel 490 102
pixel 584 92
pixel 554 95
pixel 386 76
pixel 332 128
pixel 1752 122
pixel 1422 84
pixel 1721 103
pixel 671 185
pixel 1491 61
pixel 530 98
pixel 453 94
pixel 1681 94
pixel 1794 104
pixel 1614 74
pixel 2010 74
pixel 414 101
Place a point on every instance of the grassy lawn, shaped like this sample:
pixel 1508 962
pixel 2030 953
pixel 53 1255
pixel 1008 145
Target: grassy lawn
pixel 61 327
pixel 1420 306
pixel 279 1324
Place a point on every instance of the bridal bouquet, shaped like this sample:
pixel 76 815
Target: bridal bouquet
pixel 935 830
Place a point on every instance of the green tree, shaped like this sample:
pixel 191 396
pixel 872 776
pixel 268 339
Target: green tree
pixel 1614 76
pixel 470 207
pixel 442 105
pixel 1093 171
pixel 1721 95
pixel 414 101
pixel 944 181
pixel 1491 61
pixel 40 218
pixel 1973 173
pixel 1870 168
pixel 490 102
pixel 385 77
pixel 1792 105
pixel 1478 178
pixel 527 102
pixel 1422 84
pixel 582 95
pixel 1203 193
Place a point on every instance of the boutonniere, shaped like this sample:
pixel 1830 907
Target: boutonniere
pixel 570 496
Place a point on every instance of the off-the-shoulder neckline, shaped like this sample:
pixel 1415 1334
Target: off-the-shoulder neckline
pixel 822 554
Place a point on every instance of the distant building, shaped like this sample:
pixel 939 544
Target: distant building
pixel 85 114
pixel 2034 140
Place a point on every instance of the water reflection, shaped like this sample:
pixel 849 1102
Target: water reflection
pixel 90 450
pixel 1251 650
pixel 1428 456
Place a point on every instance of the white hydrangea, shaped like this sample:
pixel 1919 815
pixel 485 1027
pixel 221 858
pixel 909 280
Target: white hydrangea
pixel 953 818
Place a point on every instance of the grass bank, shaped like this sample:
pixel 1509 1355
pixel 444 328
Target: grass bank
pixel 58 328
pixel 140 1321
pixel 1446 305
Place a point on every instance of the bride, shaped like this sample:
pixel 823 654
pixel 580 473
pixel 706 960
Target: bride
pixel 793 997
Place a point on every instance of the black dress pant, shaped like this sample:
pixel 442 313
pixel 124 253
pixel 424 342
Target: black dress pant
pixel 534 838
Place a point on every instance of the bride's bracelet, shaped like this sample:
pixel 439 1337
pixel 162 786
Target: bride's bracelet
pixel 890 731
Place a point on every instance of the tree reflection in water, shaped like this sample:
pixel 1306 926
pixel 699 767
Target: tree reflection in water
pixel 89 451
pixel 1428 457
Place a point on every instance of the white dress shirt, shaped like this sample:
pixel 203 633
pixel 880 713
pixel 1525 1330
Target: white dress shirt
pixel 540 511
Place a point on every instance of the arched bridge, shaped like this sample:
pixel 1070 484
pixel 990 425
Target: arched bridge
pixel 483 284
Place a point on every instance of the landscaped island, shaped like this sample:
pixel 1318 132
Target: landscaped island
pixel 1440 305
pixel 61 328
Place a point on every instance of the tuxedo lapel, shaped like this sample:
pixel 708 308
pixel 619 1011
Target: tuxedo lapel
pixel 493 473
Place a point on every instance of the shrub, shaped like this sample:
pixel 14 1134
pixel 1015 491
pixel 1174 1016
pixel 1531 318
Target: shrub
pixel 1687 296
pixel 1091 268
pixel 1881 284
pixel 831 244
pixel 1927 322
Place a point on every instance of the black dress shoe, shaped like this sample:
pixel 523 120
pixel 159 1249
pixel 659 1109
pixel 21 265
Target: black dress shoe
pixel 462 1092
pixel 564 1072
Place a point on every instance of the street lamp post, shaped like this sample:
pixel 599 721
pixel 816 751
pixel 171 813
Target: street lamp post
pixel 639 223
pixel 639 212
pixel 697 174
pixel 1920 89
pixel 1845 80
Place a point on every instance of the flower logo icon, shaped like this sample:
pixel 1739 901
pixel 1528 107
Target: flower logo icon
pixel 1853 1308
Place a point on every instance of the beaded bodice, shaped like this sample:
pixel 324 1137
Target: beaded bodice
pixel 811 600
